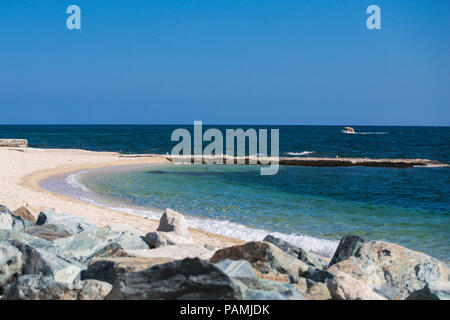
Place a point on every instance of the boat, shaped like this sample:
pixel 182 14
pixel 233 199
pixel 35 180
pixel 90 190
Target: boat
pixel 348 130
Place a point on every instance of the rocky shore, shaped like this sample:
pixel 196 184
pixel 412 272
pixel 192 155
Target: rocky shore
pixel 60 256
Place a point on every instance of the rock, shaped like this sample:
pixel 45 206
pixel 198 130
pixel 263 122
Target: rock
pixel 25 214
pixel 10 221
pixel 71 223
pixel 159 239
pixel 40 256
pixel 307 257
pixel 94 290
pixel 261 289
pixel 392 270
pixel 178 280
pixel 318 291
pixel 109 269
pixel 265 257
pixel 38 287
pixel 48 232
pixel 434 290
pixel 347 248
pixel 317 275
pixel 175 252
pixel 14 143
pixel 87 244
pixel 237 268
pixel 172 221
pixel 344 287
pixel 123 227
pixel 6 221
pixel 10 264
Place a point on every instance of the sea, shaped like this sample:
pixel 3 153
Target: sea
pixel 307 206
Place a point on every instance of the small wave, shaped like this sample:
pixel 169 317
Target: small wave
pixel 322 247
pixel 303 153
pixel 74 181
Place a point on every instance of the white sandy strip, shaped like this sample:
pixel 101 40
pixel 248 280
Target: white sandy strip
pixel 22 169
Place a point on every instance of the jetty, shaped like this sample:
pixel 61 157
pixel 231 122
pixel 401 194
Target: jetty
pixel 310 161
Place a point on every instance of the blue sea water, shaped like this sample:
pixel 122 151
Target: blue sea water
pixel 406 206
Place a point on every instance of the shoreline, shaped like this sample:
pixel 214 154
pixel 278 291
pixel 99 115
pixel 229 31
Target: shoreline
pixel 24 189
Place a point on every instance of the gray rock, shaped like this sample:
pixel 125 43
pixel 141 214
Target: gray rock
pixel 68 222
pixel 347 248
pixel 14 143
pixel 434 290
pixel 40 256
pixel 87 244
pixel 392 270
pixel 307 257
pixel 172 221
pixel 237 269
pixel 179 280
pixel 159 239
pixel 109 269
pixel 266 258
pixel 261 289
pixel 49 232
pixel 317 275
pixel 38 287
pixel 175 252
pixel 94 290
pixel 10 264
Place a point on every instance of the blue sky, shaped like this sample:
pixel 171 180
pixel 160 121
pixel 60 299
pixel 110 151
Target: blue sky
pixel 227 62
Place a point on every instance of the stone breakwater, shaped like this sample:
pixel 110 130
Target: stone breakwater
pixel 58 256
pixel 14 143
pixel 312 161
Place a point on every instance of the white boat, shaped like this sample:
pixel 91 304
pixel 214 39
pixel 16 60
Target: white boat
pixel 348 130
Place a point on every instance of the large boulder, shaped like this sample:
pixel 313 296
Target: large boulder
pixel 434 290
pixel 175 252
pixel 10 264
pixel 87 244
pixel 72 224
pixel 40 256
pixel 26 214
pixel 347 248
pixel 109 269
pixel 344 287
pixel 392 270
pixel 262 289
pixel 178 280
pixel 237 268
pixel 172 221
pixel 38 287
pixel 266 258
pixel 94 290
pixel 49 232
pixel 307 257
pixel 159 239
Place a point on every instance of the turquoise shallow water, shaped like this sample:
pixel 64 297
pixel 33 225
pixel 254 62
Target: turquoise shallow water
pixel 405 206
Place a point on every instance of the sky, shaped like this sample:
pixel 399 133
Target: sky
pixel 225 62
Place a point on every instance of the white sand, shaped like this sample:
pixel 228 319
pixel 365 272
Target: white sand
pixel 22 169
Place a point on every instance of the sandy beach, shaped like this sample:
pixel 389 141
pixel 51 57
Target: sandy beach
pixel 21 169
